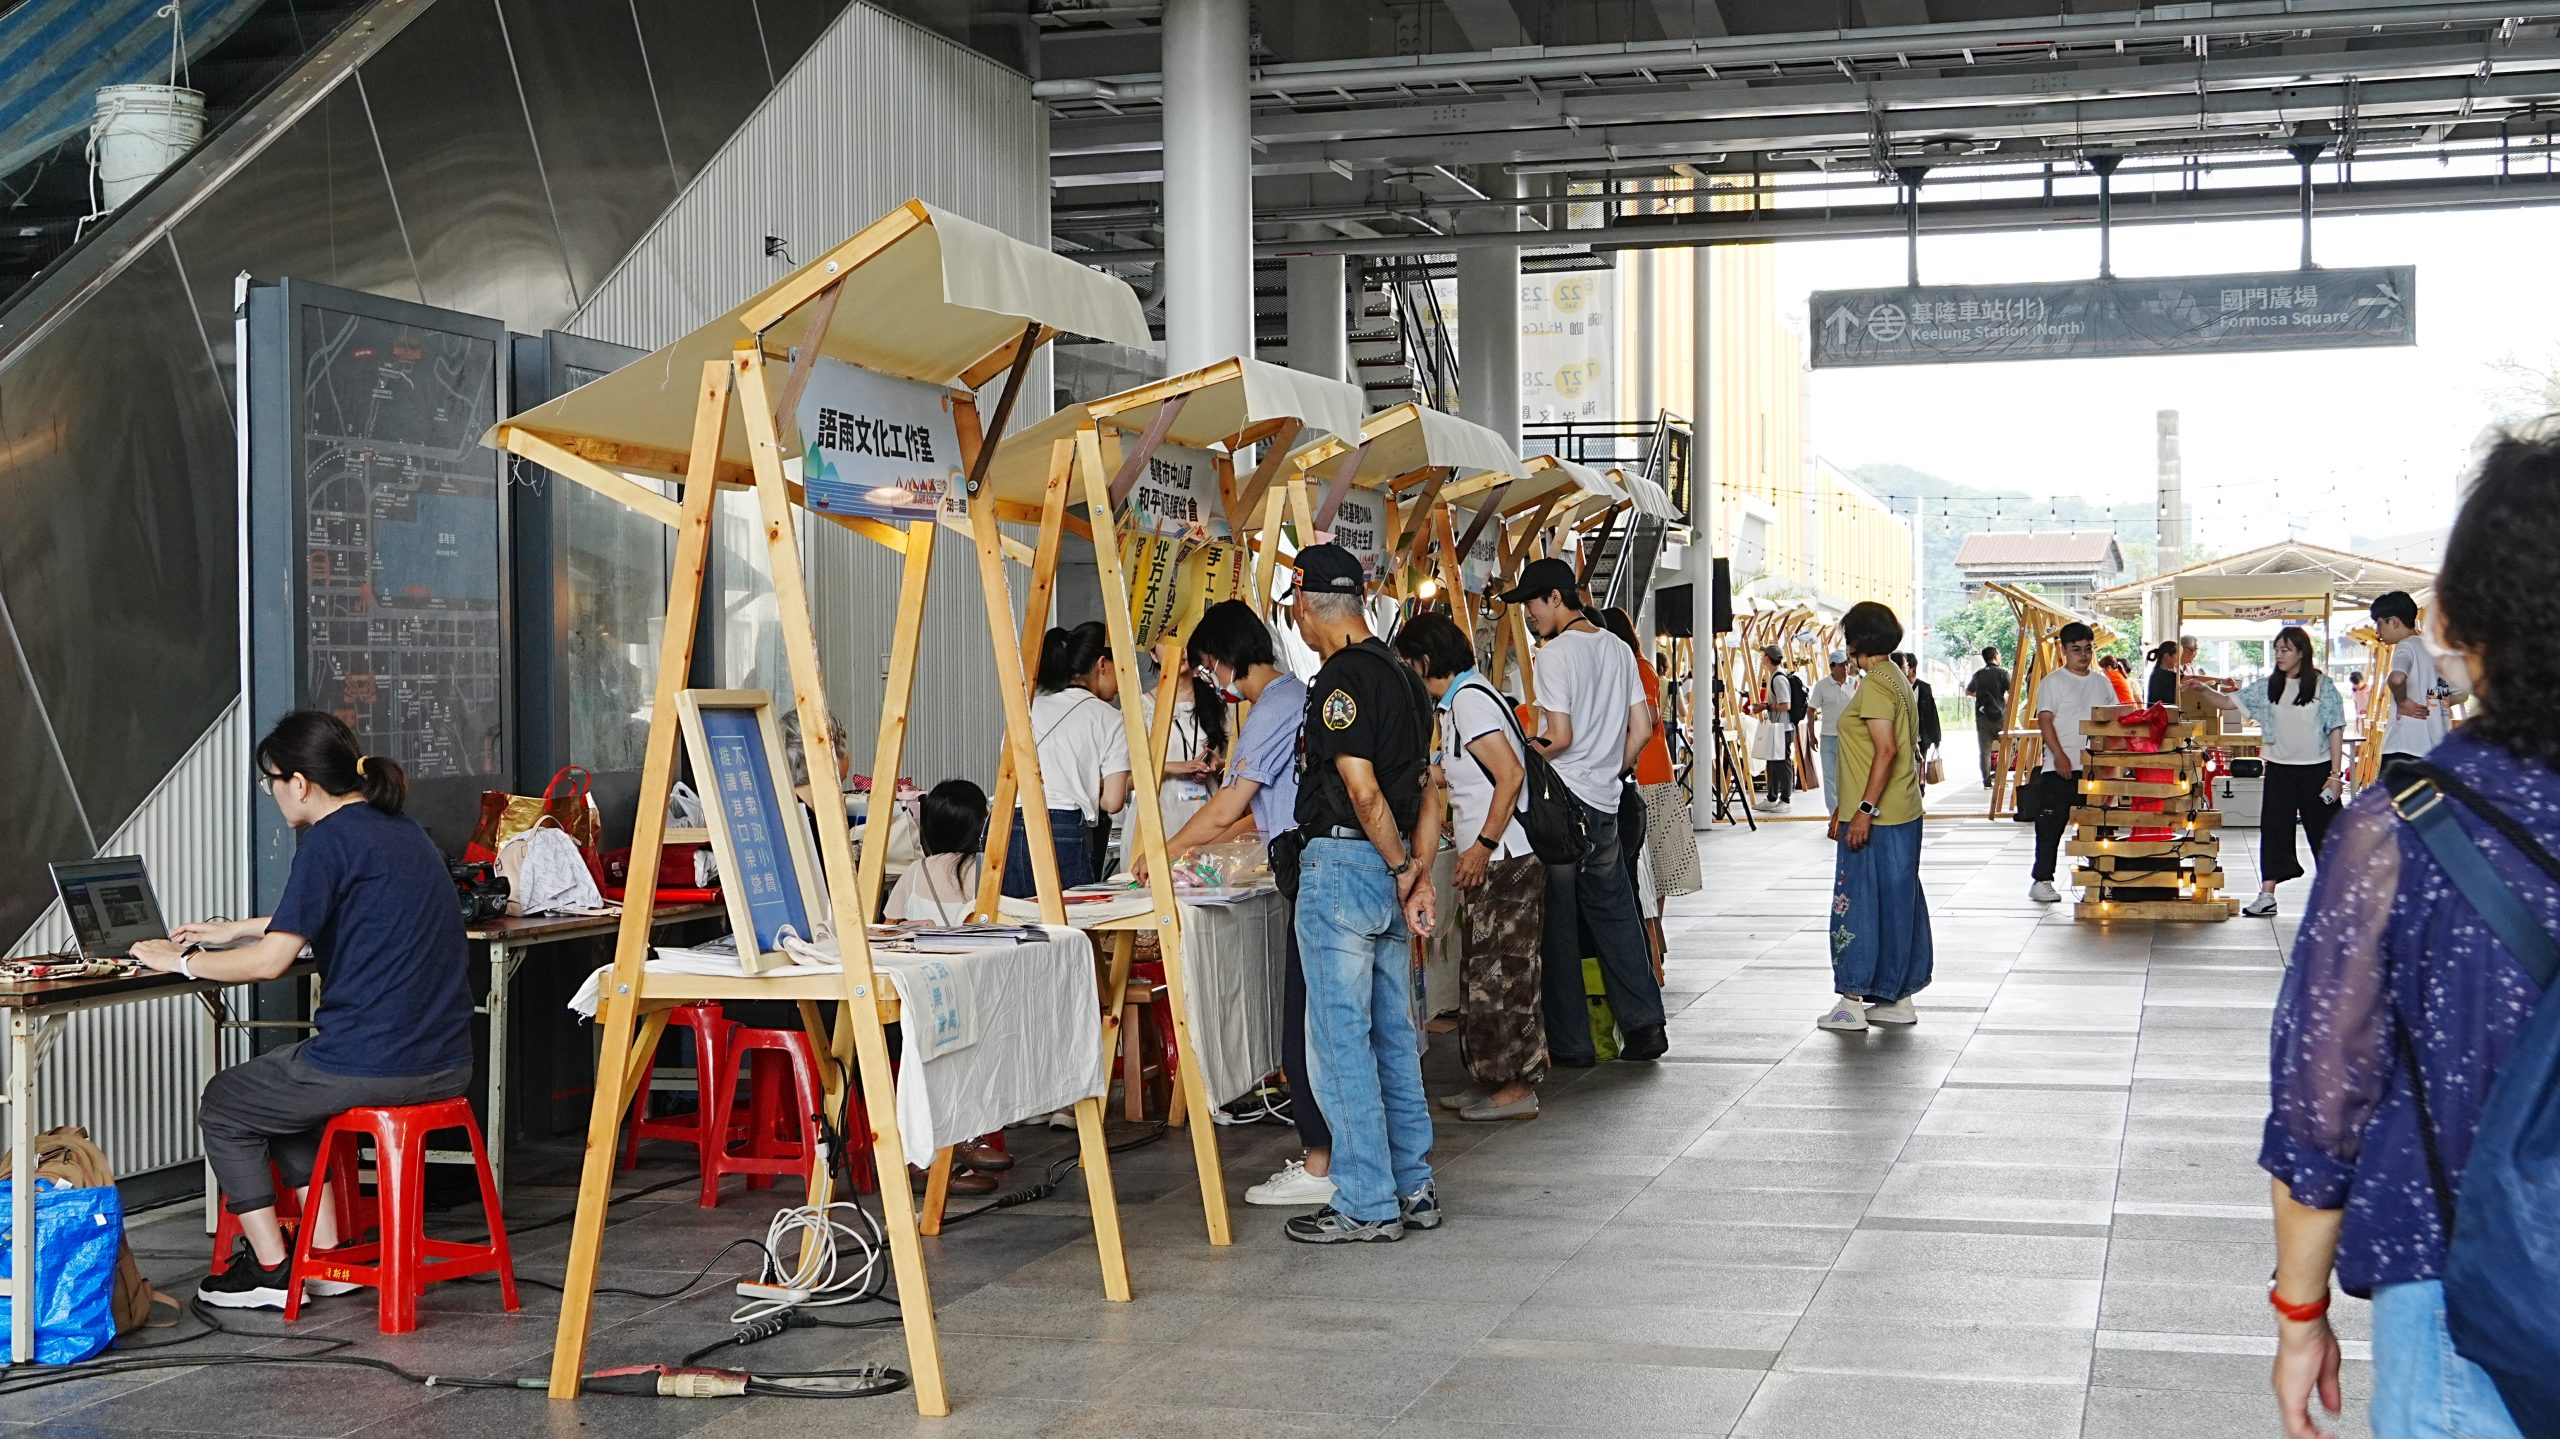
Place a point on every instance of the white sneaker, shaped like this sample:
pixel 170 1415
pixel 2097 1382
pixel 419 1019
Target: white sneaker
pixel 1062 1119
pixel 1898 1012
pixel 2043 892
pixel 1844 1017
pixel 2261 907
pixel 1293 1187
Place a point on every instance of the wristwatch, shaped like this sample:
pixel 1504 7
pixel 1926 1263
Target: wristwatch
pixel 1868 808
pixel 1489 842
pixel 1397 871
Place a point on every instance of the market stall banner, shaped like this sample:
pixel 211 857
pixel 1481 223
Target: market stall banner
pixel 1210 571
pixel 2087 319
pixel 1178 495
pixel 1360 526
pixel 1481 565
pixel 878 446
pixel 1153 565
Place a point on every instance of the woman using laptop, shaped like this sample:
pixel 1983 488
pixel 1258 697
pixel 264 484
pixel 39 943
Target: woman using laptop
pixel 370 895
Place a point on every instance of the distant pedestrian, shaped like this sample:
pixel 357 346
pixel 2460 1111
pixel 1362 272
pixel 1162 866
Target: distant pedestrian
pixel 1831 696
pixel 2120 676
pixel 2303 723
pixel 2064 698
pixel 1881 949
pixel 1989 691
pixel 1932 730
pixel 2420 699
pixel 1773 740
pixel 2162 688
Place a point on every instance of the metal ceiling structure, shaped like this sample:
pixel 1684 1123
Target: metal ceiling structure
pixel 1397 128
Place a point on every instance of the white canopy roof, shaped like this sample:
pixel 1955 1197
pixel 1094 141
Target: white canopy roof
pixel 1409 437
pixel 1650 498
pixel 927 295
pixel 1222 400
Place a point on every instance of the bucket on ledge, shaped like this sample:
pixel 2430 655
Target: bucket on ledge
pixel 139 131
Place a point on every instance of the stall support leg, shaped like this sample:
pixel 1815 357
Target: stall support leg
pixel 937 1190
pixel 493 1123
pixel 1102 1197
pixel 23 1029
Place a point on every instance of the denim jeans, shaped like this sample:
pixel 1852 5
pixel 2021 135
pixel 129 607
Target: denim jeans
pixel 2421 1388
pixel 1595 892
pixel 1361 1042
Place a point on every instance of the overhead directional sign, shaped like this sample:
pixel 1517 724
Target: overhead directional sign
pixel 2090 319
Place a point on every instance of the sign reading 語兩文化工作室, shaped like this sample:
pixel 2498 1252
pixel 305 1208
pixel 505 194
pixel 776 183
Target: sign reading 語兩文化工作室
pixel 878 446
pixel 2091 319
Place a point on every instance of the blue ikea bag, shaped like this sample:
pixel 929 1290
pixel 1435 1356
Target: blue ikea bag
pixel 2502 1266
pixel 79 1233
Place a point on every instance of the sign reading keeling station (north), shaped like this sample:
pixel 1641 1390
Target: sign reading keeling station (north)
pixel 2093 319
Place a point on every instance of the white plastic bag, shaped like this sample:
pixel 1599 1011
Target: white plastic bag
pixel 545 874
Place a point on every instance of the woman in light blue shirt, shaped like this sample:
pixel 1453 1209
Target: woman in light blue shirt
pixel 2303 723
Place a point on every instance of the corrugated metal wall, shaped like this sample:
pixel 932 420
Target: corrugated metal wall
pixel 878 112
pixel 130 1073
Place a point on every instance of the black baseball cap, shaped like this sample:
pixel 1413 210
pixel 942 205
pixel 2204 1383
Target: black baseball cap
pixel 1541 577
pixel 1328 570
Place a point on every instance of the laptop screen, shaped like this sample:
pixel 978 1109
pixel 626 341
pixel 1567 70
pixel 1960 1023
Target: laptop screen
pixel 109 903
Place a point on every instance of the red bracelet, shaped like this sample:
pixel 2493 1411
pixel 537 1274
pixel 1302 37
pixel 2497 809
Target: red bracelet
pixel 2298 1313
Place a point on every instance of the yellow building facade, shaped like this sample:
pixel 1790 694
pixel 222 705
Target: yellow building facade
pixel 1780 512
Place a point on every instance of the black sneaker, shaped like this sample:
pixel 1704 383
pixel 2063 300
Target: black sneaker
pixel 1645 1044
pixel 1331 1226
pixel 1421 1208
pixel 244 1283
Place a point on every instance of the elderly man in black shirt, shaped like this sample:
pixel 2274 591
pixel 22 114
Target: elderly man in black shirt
pixel 1371 828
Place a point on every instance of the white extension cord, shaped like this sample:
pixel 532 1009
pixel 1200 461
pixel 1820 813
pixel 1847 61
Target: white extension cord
pixel 818 1274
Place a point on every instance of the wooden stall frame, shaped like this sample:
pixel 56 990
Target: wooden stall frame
pixel 2036 656
pixel 632 1013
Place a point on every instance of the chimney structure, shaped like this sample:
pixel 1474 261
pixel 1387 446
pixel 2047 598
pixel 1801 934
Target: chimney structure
pixel 2171 504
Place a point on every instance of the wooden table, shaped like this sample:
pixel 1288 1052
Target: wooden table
pixel 507 940
pixel 36 1011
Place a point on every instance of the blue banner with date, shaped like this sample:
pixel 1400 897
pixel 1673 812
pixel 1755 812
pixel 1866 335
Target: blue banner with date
pixel 2092 319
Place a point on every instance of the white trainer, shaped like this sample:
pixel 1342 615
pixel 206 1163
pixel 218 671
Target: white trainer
pixel 1293 1187
pixel 1898 1012
pixel 2043 892
pixel 2261 907
pixel 1844 1016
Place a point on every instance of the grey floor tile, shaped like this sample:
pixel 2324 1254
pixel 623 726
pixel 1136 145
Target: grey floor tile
pixel 1614 1398
pixel 1682 1284
pixel 2043 1256
pixel 2201 1413
pixel 1380 1381
pixel 1808 1406
pixel 1944 1296
pixel 1913 1349
pixel 1336 1322
pixel 1645 1327
pixel 2007 1192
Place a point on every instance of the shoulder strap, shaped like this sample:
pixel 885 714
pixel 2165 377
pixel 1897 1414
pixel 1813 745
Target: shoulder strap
pixel 2418 797
pixel 1504 707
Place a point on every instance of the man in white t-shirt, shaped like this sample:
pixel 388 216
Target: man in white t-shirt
pixel 2064 698
pixel 1592 722
pixel 2419 695
pixel 1830 699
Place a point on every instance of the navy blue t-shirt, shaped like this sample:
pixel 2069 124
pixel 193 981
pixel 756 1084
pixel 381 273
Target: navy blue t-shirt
pixel 370 894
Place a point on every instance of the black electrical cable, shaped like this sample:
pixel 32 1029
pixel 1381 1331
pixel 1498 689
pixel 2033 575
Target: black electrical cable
pixel 1048 1185
pixel 677 1293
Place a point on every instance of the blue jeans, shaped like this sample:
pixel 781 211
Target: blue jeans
pixel 2421 1388
pixel 1081 844
pixel 1361 1043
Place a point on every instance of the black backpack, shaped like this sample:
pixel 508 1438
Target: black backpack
pixel 1799 702
pixel 1547 812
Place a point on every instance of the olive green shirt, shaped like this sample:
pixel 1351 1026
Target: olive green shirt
pixel 1885 694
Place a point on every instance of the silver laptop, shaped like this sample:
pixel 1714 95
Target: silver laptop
pixel 110 903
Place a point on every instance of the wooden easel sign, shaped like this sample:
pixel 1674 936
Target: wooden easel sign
pixel 768 878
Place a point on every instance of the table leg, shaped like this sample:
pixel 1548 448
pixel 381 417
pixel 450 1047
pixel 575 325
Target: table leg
pixel 213 1015
pixel 22 1186
pixel 493 1124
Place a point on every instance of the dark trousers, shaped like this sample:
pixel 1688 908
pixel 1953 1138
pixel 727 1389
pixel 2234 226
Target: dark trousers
pixel 274 1107
pixel 1989 735
pixel 1782 780
pixel 2292 797
pixel 1595 891
pixel 1081 845
pixel 1304 1112
pixel 2059 795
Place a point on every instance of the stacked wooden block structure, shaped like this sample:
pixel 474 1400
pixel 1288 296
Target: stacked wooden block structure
pixel 2143 863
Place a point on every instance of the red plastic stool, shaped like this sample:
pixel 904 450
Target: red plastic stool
pixel 355 1207
pixel 403 1261
pixel 779 1130
pixel 710 1033
pixel 1150 972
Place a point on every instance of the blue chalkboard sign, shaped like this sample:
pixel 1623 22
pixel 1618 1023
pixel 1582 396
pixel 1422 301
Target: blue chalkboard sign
pixel 756 827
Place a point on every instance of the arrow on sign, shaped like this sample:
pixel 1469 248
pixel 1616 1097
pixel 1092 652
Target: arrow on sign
pixel 1840 322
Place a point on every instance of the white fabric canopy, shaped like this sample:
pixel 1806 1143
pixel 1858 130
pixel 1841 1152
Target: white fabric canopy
pixel 1228 398
pixel 927 295
pixel 1650 498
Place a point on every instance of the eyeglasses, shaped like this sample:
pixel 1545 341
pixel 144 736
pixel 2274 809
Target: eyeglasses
pixel 269 779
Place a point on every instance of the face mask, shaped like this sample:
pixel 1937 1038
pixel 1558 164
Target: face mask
pixel 1226 692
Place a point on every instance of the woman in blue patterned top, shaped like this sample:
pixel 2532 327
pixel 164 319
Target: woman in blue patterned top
pixel 2303 723
pixel 2388 945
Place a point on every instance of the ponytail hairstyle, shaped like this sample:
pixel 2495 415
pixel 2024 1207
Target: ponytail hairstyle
pixel 1211 714
pixel 320 748
pixel 2308 683
pixel 1069 655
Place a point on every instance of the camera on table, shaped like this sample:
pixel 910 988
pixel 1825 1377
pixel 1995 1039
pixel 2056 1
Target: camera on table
pixel 481 889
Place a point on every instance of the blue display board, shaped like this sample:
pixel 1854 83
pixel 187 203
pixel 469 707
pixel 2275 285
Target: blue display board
pixel 754 810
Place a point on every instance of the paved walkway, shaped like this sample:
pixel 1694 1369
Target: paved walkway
pixel 2035 1215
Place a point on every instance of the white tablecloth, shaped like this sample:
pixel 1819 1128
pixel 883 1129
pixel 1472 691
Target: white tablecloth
pixel 1233 957
pixel 1033 1041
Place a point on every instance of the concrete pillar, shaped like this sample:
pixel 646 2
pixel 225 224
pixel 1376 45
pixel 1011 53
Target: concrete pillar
pixel 1319 323
pixel 1489 324
pixel 1699 559
pixel 1208 184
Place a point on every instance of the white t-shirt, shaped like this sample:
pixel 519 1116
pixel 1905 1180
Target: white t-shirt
pixel 1830 698
pixel 937 889
pixel 1081 741
pixel 1589 677
pixel 2071 698
pixel 1469 712
pixel 2412 658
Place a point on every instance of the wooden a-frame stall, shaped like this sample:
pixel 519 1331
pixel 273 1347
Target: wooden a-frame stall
pixel 2039 620
pixel 922 297
pixel 1524 508
pixel 1417 461
pixel 1096 454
